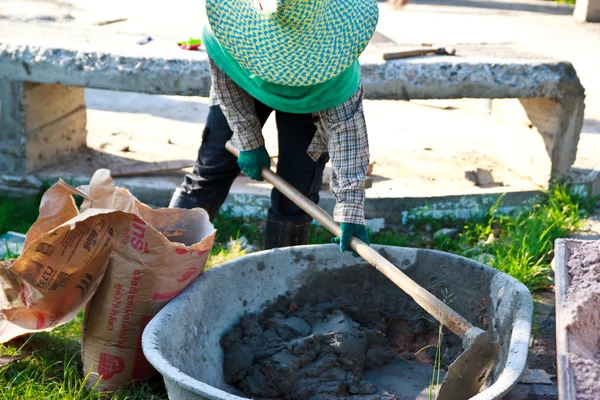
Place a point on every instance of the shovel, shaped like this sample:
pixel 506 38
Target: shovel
pixel 470 370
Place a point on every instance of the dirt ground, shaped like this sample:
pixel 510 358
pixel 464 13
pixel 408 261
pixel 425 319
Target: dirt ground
pixel 419 149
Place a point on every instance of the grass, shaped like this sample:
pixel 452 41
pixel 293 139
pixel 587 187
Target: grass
pixel 53 371
pixel 520 244
pixel 18 215
pixel 439 361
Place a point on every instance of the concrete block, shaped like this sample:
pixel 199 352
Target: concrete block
pixel 542 135
pixel 559 122
pixel 39 124
pixel 587 11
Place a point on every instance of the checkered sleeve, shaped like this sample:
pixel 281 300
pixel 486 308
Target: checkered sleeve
pixel 349 154
pixel 238 107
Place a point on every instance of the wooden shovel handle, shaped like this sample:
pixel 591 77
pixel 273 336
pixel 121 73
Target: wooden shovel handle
pixel 408 54
pixel 439 310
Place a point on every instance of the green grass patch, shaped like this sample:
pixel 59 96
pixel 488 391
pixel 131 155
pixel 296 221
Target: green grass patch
pixel 522 243
pixel 519 243
pixel 18 215
pixel 54 370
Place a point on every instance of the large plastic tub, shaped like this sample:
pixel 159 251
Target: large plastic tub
pixel 182 341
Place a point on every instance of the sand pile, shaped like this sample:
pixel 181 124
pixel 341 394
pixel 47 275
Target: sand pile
pixel 583 303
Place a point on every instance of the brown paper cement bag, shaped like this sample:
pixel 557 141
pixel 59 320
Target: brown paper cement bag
pixel 64 259
pixel 155 255
pixel 130 258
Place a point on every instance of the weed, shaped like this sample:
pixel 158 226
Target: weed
pixel 222 253
pixel 9 254
pixel 521 244
pixel 434 384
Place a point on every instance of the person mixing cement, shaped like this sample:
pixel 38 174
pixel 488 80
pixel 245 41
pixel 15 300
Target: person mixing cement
pixel 299 59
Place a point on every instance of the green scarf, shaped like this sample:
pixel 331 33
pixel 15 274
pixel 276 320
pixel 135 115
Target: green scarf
pixel 291 99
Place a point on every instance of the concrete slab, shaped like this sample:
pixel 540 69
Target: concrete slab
pixel 102 60
pixel 591 230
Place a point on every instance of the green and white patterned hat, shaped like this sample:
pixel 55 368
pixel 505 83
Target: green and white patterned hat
pixel 293 42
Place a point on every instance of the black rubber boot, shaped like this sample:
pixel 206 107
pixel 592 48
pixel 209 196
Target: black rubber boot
pixel 182 199
pixel 283 233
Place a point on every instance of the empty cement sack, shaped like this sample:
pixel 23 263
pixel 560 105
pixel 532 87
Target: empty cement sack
pixel 115 254
pixel 64 258
pixel 154 257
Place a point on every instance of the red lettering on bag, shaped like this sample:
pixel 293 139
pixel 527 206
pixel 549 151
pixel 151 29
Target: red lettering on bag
pixel 110 365
pixel 165 296
pixel 25 295
pixel 138 232
pixel 188 274
pixel 40 321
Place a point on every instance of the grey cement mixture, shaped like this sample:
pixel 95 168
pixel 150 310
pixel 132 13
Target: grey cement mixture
pixel 320 352
pixel 316 354
pixel 583 301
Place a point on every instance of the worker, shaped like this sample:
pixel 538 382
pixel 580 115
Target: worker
pixel 298 59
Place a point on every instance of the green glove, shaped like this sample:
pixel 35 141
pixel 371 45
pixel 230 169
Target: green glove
pixel 250 162
pixel 349 230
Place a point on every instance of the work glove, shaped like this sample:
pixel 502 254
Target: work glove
pixel 251 161
pixel 349 230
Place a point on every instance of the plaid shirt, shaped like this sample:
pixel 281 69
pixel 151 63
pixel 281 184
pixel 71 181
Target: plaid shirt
pixel 341 131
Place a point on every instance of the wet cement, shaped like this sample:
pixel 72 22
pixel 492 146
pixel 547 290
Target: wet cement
pixel 346 336
pixel 315 353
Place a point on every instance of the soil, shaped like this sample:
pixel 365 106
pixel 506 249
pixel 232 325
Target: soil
pixel 583 302
pixel 334 349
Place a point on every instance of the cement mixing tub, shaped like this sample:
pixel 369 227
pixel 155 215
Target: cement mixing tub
pixel 182 341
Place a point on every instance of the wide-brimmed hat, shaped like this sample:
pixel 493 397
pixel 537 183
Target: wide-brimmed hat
pixel 296 42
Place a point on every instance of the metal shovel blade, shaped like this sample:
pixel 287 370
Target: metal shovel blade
pixel 470 370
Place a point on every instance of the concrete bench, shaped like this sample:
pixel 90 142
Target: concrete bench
pixel 43 111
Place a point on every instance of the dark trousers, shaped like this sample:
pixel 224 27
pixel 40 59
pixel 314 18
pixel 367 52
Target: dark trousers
pixel 216 168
